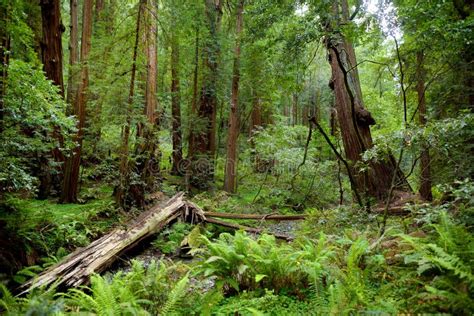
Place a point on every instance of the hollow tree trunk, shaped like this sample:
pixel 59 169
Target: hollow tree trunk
pixel 425 174
pixel 204 135
pixel 122 193
pixel 176 108
pixel 354 120
pixel 73 163
pixel 230 178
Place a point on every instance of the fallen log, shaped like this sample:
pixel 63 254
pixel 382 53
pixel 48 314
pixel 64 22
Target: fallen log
pixel 75 269
pixel 246 228
pixel 274 217
pixel 400 210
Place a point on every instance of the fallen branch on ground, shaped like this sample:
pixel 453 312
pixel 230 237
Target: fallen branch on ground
pixel 246 228
pixel 274 217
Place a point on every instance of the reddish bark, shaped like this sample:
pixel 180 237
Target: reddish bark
pixel 73 52
pixel 425 175
pixel 71 173
pixel 354 120
pixel 51 45
pixel 230 178
pixel 51 54
pixel 149 164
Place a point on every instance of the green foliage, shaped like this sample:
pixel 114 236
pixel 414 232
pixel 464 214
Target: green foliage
pixel 106 297
pixel 38 302
pixel 250 303
pixel 170 239
pixel 34 110
pixel 445 261
pixel 44 231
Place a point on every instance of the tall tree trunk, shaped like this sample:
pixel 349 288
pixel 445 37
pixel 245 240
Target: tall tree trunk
pixel 73 52
pixel 151 164
pixel 176 108
pixel 51 45
pixel 294 109
pixel 194 100
pixel 230 178
pixel 99 7
pixel 354 119
pixel 256 116
pixel 204 138
pixel 425 175
pixel 122 195
pixel 73 164
pixel 51 54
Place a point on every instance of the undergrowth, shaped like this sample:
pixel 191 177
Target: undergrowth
pixel 337 265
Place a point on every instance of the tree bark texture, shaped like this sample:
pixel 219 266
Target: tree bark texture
pixel 194 100
pixel 204 134
pixel 73 52
pixel 176 108
pixel 51 45
pixel 354 120
pixel 425 174
pixel 73 163
pixel 148 162
pixel 230 177
pixel 76 269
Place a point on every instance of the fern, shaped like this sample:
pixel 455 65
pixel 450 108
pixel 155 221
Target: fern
pixel 7 301
pixel 448 254
pixel 176 294
pixel 107 297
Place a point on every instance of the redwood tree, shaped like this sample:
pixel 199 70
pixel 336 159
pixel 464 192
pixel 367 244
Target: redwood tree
pixel 230 179
pixel 204 136
pixel 194 99
pixel 425 174
pixel 73 52
pixel 73 163
pixel 354 120
pixel 148 162
pixel 122 191
pixel 51 45
pixel 176 107
pixel 51 54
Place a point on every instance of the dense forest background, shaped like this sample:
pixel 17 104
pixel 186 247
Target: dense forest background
pixel 356 115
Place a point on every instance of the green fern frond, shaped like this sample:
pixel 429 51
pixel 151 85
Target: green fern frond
pixel 176 294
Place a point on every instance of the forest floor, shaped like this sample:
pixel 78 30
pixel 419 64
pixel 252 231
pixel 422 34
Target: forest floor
pixel 365 269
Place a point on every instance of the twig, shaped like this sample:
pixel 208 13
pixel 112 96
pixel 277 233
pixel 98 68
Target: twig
pixel 338 155
pixel 261 186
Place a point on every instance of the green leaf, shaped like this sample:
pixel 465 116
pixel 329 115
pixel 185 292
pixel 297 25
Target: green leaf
pixel 260 277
